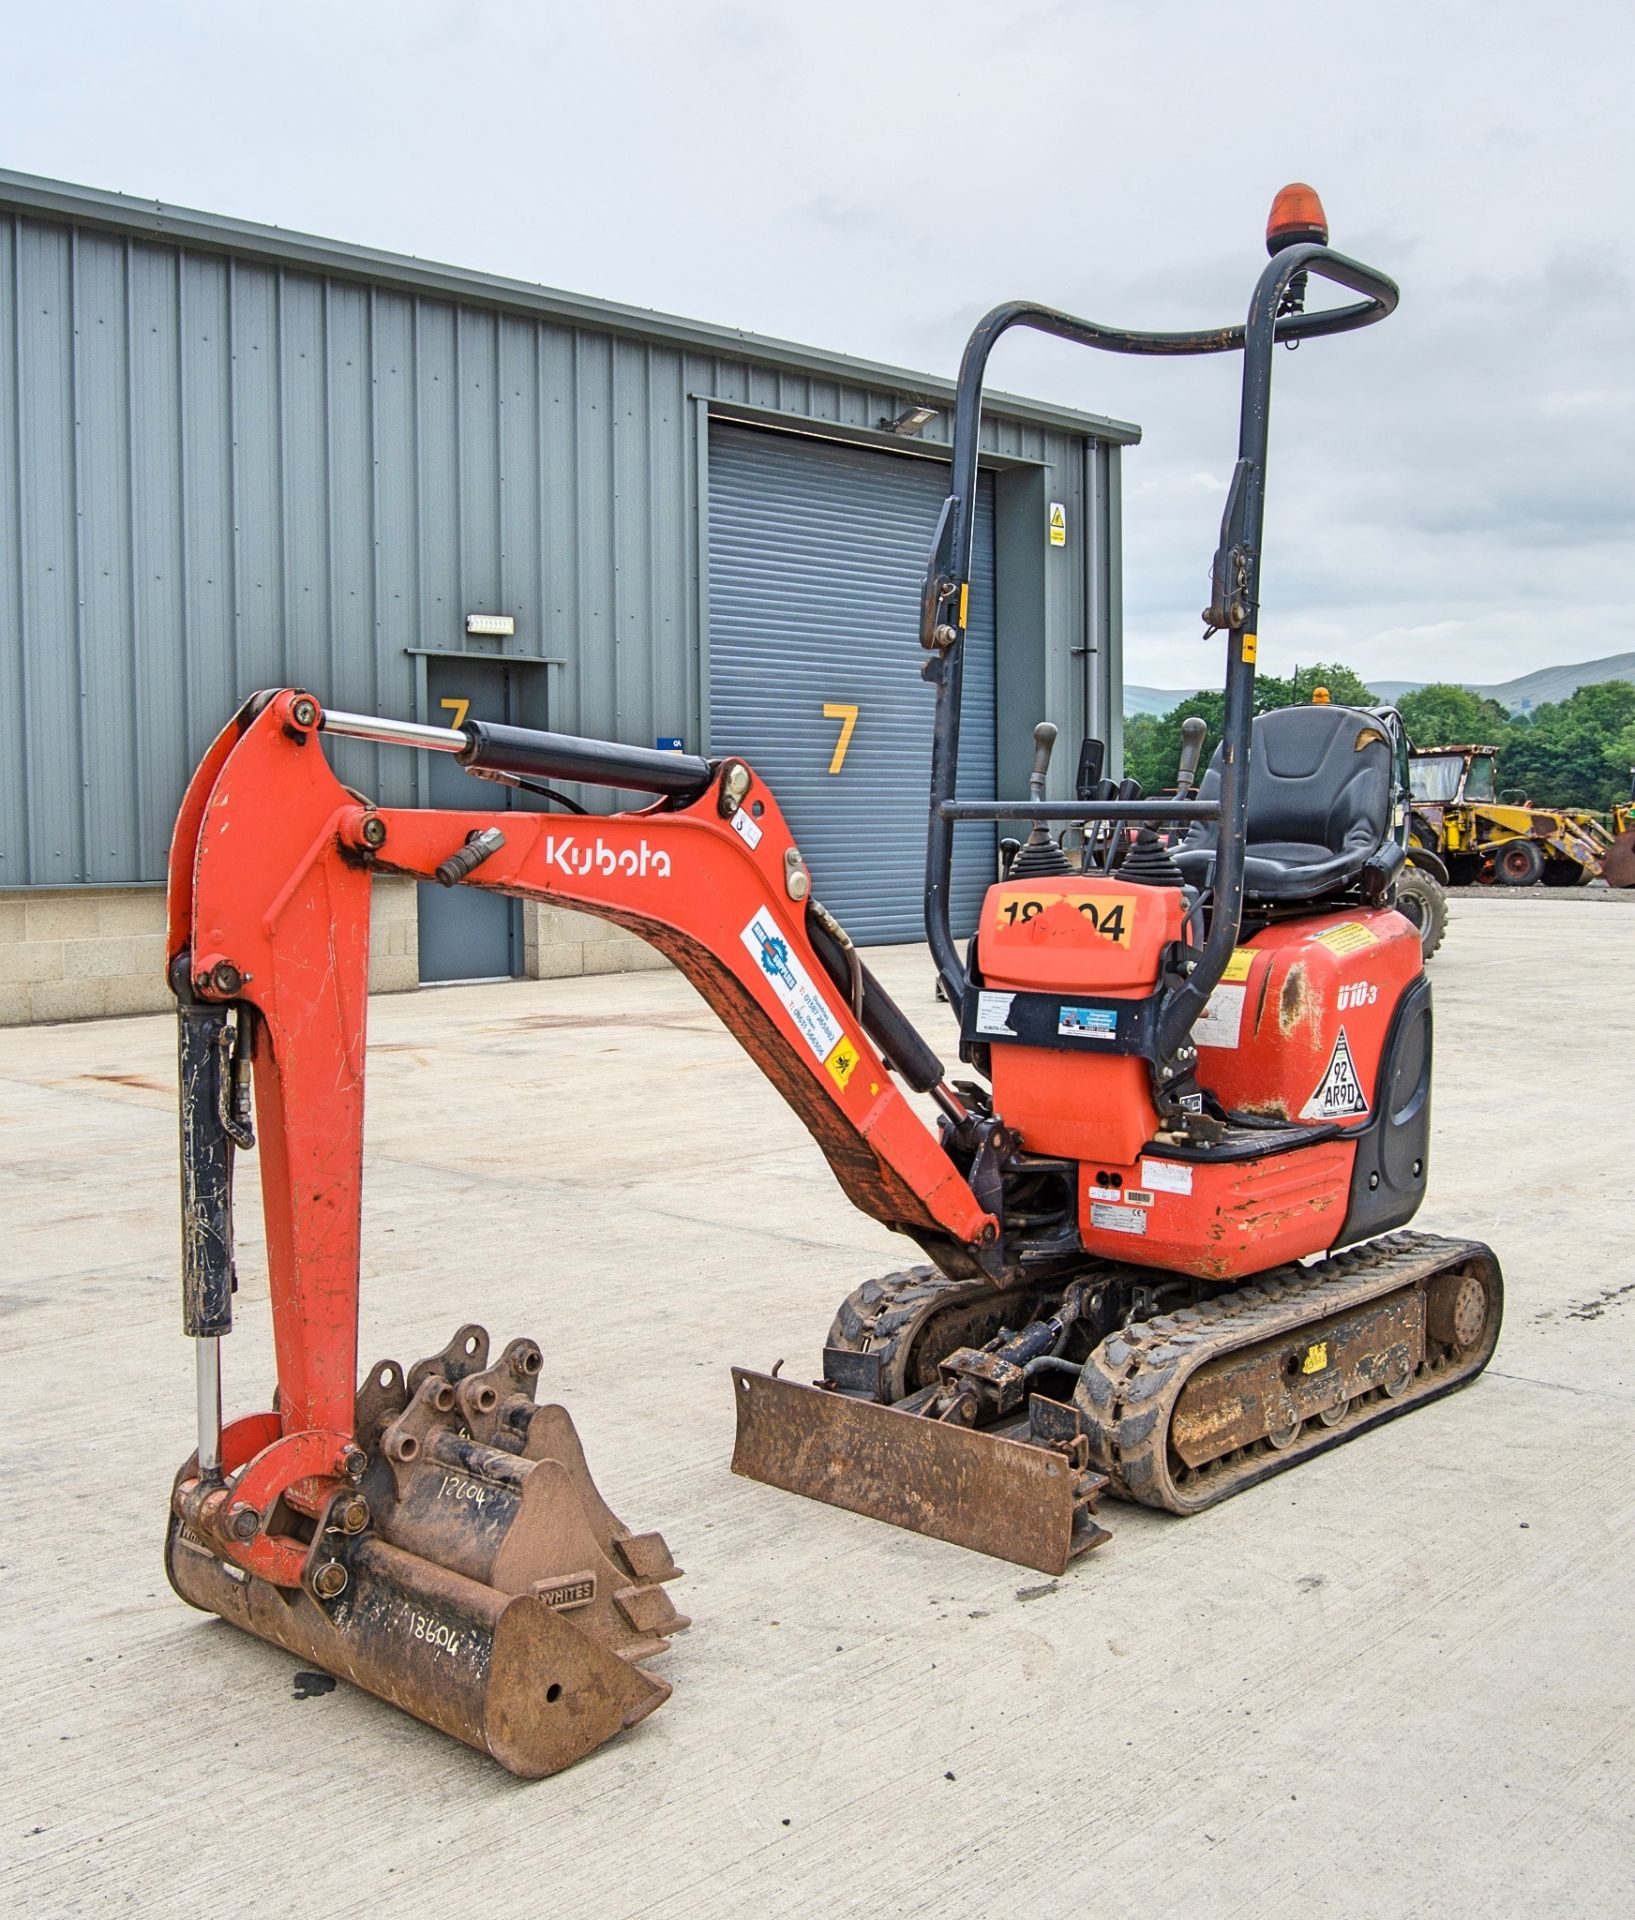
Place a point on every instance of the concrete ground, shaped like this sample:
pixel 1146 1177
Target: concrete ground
pixel 1399 1681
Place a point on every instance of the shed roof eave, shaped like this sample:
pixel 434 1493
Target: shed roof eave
pixel 32 195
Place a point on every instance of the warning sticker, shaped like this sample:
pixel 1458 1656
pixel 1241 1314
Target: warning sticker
pixel 793 985
pixel 1058 524
pixel 1339 1093
pixel 1168 1176
pixel 1350 936
pixel 1087 1023
pixel 1222 1018
pixel 842 1062
pixel 1118 1219
pixel 1238 965
pixel 747 829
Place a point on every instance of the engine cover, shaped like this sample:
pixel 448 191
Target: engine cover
pixel 1074 934
pixel 1294 1034
pixel 1296 1028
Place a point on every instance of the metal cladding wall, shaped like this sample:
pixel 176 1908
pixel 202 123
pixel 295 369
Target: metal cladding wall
pixel 232 458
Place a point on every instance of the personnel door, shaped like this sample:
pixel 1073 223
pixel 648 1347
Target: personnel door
pixel 464 934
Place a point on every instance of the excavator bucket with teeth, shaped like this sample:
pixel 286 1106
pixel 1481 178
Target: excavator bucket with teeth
pixel 473 1576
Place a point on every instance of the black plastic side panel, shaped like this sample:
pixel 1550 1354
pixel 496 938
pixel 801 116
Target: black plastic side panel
pixel 1393 1150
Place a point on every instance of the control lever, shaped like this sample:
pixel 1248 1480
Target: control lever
pixel 1192 746
pixel 1102 832
pixel 1040 854
pixel 1044 739
pixel 1008 850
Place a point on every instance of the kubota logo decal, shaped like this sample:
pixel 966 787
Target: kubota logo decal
pixel 579 858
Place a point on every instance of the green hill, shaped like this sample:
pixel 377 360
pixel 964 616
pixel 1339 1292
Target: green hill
pixel 1528 690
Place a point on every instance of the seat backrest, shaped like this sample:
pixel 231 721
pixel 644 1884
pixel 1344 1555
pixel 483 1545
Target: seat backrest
pixel 1318 776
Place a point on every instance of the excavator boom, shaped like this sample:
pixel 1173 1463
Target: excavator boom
pixel 323 1499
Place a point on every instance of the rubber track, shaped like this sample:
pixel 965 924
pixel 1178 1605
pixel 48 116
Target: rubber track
pixel 1132 1382
pixel 886 1316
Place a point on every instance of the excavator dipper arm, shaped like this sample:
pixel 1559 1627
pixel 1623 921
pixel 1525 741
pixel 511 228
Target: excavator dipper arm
pixel 269 918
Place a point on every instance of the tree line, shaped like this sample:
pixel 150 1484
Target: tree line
pixel 1577 752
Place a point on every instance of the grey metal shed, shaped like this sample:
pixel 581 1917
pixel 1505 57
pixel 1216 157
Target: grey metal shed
pixel 233 456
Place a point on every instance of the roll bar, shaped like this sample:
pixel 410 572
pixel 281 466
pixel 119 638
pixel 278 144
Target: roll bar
pixel 1234 589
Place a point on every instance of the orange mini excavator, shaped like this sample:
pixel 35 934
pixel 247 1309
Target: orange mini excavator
pixel 1156 1218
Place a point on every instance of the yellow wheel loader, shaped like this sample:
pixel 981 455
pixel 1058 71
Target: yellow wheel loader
pixel 1459 814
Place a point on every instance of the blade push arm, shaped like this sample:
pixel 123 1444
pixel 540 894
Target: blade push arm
pixel 270 883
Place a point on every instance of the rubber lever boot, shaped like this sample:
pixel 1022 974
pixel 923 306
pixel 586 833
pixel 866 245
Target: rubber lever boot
pixel 1040 855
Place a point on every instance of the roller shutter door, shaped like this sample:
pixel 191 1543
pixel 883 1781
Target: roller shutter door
pixel 816 555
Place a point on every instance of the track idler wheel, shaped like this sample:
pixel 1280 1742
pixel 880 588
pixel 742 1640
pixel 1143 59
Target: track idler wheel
pixel 475 1577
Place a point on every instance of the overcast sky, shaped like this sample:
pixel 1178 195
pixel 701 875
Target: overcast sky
pixel 1451 493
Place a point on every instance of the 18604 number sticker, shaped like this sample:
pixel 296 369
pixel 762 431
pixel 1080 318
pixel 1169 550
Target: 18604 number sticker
pixel 1111 916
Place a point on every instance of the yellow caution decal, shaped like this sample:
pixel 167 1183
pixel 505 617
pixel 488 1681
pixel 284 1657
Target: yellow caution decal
pixel 1250 641
pixel 964 604
pixel 1237 967
pixel 841 1062
pixel 1316 1357
pixel 1350 936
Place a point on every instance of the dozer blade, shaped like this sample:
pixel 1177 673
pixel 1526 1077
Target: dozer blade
pixel 1000 1496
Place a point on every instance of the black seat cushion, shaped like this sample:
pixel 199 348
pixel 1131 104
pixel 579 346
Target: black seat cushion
pixel 1319 804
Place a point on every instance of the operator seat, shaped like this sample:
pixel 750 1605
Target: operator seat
pixel 1319 807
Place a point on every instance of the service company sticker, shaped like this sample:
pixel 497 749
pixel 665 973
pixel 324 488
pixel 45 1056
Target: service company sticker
pixel 792 984
pixel 1087 1023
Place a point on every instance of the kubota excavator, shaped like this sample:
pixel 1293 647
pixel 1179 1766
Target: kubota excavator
pixel 1156 1217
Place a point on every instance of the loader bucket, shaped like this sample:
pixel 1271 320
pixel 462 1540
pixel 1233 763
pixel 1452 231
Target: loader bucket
pixel 1618 862
pixel 488 1591
pixel 1017 1500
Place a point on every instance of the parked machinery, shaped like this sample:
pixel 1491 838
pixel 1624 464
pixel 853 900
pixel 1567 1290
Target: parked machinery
pixel 1157 1217
pixel 1460 815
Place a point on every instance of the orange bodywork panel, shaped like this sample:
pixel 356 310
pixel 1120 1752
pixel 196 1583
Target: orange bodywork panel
pixel 1085 934
pixel 1294 1032
pixel 1217 1219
